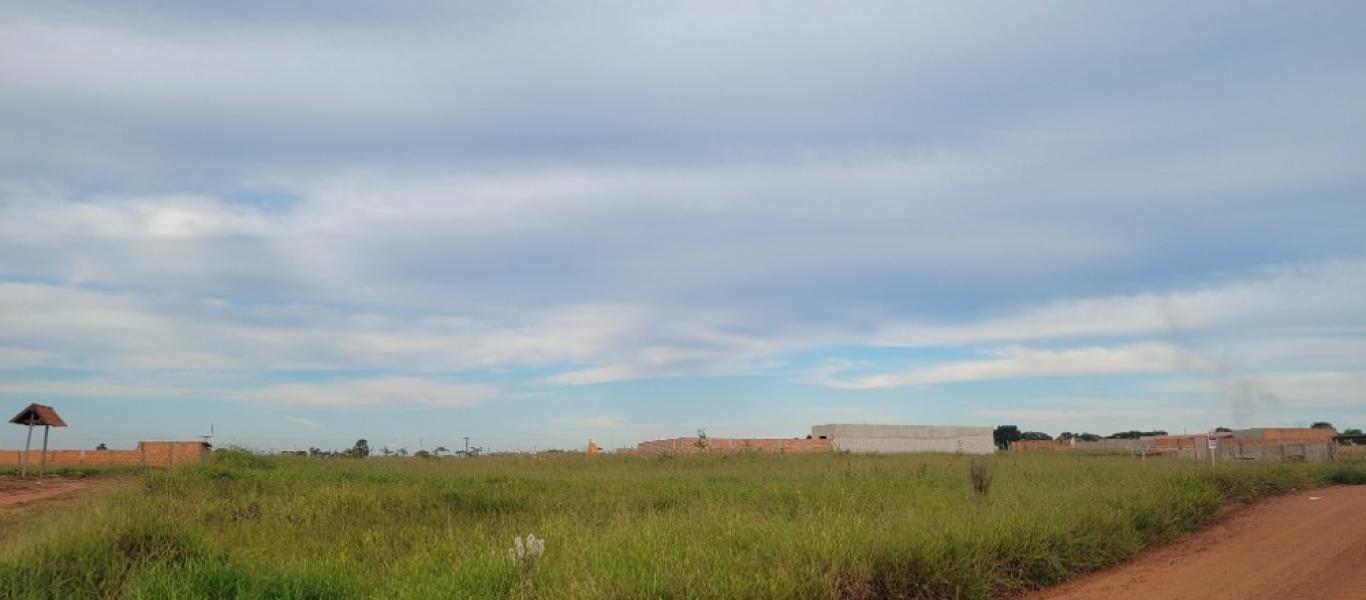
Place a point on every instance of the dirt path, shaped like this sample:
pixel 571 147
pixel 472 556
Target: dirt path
pixel 19 492
pixel 1288 547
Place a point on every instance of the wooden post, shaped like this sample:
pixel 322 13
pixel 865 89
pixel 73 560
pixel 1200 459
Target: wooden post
pixel 23 470
pixel 42 464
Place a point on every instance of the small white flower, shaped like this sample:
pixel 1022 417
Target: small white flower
pixel 535 546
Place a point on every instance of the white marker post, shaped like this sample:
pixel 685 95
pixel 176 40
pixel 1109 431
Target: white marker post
pixel 1213 445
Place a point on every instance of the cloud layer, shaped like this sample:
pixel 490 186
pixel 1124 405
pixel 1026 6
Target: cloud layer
pixel 503 209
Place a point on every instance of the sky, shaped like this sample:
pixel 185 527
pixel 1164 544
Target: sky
pixel 539 223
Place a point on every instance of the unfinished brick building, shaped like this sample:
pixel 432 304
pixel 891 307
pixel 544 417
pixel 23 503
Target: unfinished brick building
pixel 695 445
pixel 841 437
pixel 147 454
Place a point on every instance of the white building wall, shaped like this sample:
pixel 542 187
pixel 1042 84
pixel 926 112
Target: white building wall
pixel 907 438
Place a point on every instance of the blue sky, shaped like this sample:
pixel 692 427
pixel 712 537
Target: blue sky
pixel 539 223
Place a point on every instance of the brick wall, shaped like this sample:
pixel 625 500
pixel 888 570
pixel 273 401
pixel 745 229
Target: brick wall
pixel 147 454
pixel 1351 452
pixel 1041 445
pixel 1293 435
pixel 689 445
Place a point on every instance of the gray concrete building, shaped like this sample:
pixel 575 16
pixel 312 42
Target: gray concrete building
pixel 906 438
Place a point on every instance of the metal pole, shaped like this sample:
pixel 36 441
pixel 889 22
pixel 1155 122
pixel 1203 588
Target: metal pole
pixel 23 470
pixel 42 464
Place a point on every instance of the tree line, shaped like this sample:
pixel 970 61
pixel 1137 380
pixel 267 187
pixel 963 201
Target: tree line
pixel 1004 435
pixel 361 449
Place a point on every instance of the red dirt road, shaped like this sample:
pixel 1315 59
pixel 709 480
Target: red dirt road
pixel 19 492
pixel 1288 547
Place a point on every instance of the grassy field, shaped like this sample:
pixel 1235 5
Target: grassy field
pixel 744 526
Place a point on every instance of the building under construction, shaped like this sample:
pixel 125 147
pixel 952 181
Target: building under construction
pixel 862 438
pixel 1267 444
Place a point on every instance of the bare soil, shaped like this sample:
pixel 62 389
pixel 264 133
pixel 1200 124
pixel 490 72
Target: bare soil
pixel 15 492
pixel 1306 546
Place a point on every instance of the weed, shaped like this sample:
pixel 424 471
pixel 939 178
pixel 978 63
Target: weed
pixel 980 474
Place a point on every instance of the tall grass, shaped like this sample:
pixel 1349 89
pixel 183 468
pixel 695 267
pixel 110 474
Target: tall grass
pixel 742 526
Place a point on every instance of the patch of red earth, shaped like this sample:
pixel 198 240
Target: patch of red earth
pixel 1307 546
pixel 15 492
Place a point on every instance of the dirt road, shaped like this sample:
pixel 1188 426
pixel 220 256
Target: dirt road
pixel 1291 547
pixel 18 492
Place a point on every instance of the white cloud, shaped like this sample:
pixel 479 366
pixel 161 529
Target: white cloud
pixel 1017 362
pixel 101 388
pixel 304 422
pixel 40 218
pixel 594 375
pixel 22 357
pixel 1327 294
pixel 388 392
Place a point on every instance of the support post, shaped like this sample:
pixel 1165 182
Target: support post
pixel 43 462
pixel 23 470
pixel 1212 445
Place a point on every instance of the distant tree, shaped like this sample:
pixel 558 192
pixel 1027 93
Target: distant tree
pixel 1088 437
pixel 1004 435
pixel 403 452
pixel 1323 425
pixel 101 446
pixel 422 454
pixel 1133 435
pixel 1066 435
pixel 1223 430
pixel 440 450
pixel 1035 436
pixel 1351 431
pixel 361 449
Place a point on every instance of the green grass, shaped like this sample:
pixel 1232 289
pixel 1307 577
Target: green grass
pixel 75 472
pixel 744 526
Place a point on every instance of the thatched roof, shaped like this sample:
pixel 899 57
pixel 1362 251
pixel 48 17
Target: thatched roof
pixel 38 414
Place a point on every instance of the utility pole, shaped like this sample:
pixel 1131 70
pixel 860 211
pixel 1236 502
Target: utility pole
pixel 467 446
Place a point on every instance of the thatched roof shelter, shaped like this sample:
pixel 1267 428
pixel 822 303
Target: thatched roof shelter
pixel 32 416
pixel 38 414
